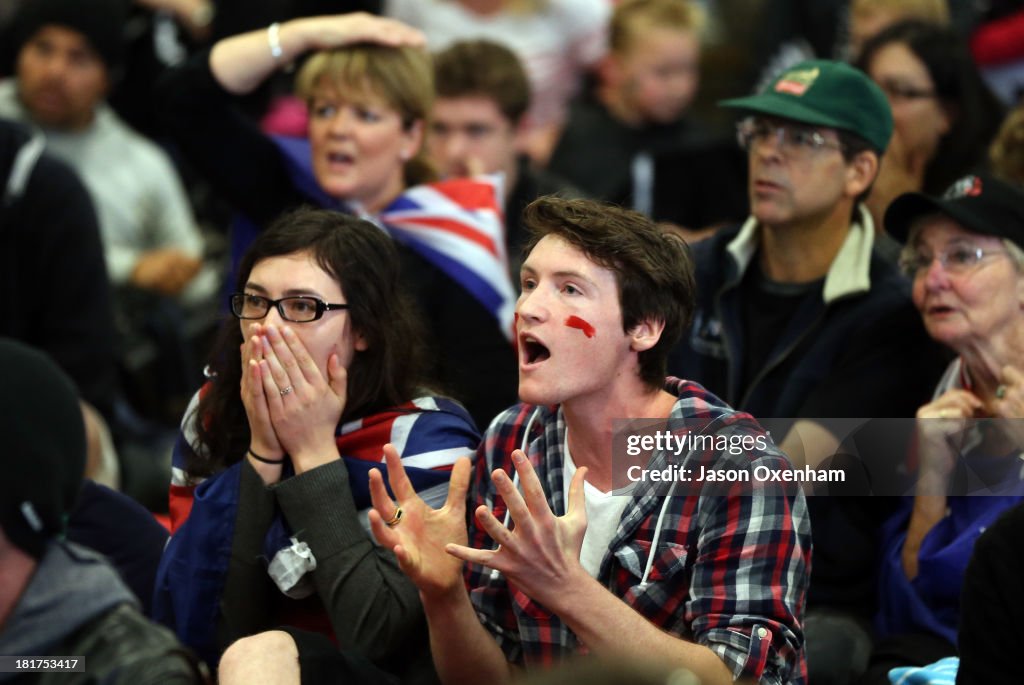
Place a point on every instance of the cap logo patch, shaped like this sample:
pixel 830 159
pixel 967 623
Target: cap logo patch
pixel 796 82
pixel 968 186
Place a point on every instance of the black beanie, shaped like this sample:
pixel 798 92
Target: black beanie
pixel 100 21
pixel 42 457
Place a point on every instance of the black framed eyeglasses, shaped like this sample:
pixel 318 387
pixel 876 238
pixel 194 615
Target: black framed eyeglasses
pixel 301 309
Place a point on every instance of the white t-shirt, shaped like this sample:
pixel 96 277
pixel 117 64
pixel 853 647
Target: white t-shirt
pixel 557 44
pixel 604 510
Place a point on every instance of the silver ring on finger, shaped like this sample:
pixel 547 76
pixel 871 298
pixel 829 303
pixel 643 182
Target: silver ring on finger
pixel 285 391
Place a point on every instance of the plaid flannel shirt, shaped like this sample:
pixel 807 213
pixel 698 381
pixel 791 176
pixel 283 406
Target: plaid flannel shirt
pixel 730 572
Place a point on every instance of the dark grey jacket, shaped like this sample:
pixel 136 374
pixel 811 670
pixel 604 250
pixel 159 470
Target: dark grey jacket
pixel 76 605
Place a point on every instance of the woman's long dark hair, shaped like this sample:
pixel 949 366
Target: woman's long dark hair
pixel 364 261
pixel 976 112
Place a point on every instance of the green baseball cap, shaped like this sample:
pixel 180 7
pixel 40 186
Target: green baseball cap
pixel 823 92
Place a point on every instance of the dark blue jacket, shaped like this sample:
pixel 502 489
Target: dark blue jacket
pixel 858 351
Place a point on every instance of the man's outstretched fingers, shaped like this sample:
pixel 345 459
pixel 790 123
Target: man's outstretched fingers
pixel 385 537
pixel 577 501
pixel 379 497
pixel 495 528
pixel 458 484
pixel 484 557
pixel 383 507
pixel 533 491
pixel 517 508
pixel 397 477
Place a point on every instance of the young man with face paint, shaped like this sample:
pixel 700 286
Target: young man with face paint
pixel 711 583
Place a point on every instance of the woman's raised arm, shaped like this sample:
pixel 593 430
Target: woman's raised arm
pixel 242 62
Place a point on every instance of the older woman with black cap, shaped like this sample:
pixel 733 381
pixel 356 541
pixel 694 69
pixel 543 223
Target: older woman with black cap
pixel 963 252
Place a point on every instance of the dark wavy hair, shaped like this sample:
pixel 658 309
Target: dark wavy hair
pixel 653 268
pixel 975 111
pixel 364 261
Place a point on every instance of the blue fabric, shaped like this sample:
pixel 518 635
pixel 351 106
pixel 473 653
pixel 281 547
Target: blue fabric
pixel 931 602
pixel 190 580
pixel 942 672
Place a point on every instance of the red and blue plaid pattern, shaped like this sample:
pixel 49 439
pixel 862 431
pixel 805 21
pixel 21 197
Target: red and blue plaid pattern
pixel 729 572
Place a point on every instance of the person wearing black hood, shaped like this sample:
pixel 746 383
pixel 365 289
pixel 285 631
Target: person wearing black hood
pixel 58 599
pixel 48 226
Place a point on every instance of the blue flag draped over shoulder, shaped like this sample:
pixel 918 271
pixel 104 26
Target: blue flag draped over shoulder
pixel 457 225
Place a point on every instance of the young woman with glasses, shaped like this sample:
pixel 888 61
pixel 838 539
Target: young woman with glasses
pixel 308 382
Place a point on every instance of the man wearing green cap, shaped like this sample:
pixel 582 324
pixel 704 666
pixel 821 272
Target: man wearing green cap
pixel 800 316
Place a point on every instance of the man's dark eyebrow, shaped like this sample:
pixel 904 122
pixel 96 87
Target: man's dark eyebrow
pixel 574 275
pixel 527 270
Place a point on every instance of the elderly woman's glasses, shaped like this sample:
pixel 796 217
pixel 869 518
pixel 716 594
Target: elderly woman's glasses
pixel 294 309
pixel 957 258
pixel 793 140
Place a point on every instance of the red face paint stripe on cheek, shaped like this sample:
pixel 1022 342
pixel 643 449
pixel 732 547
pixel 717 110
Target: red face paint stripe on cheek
pixel 577 322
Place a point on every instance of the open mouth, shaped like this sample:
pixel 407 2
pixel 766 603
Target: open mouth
pixel 940 310
pixel 533 351
pixel 340 158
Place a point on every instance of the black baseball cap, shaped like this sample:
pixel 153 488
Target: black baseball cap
pixel 981 203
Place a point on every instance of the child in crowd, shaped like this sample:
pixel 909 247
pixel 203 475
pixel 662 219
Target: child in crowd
pixel 648 81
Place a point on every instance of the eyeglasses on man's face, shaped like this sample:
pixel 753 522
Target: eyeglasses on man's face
pixel 792 139
pixel 302 309
pixel 956 258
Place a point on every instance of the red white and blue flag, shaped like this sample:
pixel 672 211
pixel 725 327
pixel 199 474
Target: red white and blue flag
pixel 458 226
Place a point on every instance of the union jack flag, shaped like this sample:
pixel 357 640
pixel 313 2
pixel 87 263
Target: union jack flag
pixel 429 432
pixel 458 226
